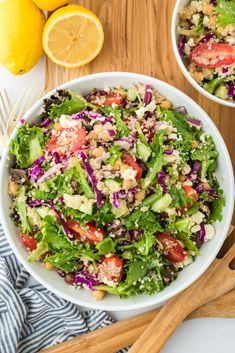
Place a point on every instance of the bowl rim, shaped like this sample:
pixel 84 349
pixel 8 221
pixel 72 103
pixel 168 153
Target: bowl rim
pixel 174 22
pixel 155 300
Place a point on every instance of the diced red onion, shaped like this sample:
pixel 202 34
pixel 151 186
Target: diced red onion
pixel 148 95
pixel 224 70
pixel 161 180
pixel 111 132
pixel 169 150
pixel 92 178
pixel 181 109
pixel 126 143
pixel 121 195
pixel 22 121
pixel 210 191
pixel 202 232
pixel 194 122
pixel 45 123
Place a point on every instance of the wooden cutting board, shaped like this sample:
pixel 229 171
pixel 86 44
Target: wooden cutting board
pixel 137 39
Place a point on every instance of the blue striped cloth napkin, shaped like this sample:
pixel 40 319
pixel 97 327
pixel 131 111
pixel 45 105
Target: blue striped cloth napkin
pixel 31 317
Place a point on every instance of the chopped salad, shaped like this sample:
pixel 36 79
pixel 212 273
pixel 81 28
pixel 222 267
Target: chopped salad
pixel 207 45
pixel 116 190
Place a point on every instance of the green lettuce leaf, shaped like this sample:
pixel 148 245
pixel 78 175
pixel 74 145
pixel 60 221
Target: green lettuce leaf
pixel 28 145
pixel 226 12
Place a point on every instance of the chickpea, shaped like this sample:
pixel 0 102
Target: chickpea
pixel 48 266
pixel 140 195
pixel 13 187
pixel 165 104
pixel 207 9
pixel 128 184
pixel 124 167
pixel 198 76
pixel 195 144
pixel 98 294
pixel 97 152
pixel 206 185
pixel 182 178
pixel 117 164
pixel 57 127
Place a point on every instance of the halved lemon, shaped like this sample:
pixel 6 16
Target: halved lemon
pixel 73 36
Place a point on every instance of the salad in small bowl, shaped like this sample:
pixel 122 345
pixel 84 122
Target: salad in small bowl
pixel 203 36
pixel 114 191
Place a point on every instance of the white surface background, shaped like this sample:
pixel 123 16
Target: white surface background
pixel 195 336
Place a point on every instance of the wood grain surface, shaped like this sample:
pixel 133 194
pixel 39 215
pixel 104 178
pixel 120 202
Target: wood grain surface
pixel 137 39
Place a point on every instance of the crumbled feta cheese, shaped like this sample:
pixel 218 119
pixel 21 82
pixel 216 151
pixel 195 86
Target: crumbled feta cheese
pixel 129 173
pixel 149 108
pixel 195 228
pixel 196 18
pixel 66 121
pixel 210 232
pixel 197 217
pixel 79 202
pixel 206 20
pixel 186 169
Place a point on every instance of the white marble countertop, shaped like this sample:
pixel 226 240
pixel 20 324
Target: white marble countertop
pixel 195 336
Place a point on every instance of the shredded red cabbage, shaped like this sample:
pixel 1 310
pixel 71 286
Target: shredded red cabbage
pixel 56 157
pixel 53 170
pixel 194 122
pixel 83 277
pixel 126 143
pixel 122 194
pixel 161 180
pixel 92 178
pixel 181 109
pixel 231 90
pixel 195 169
pixel 45 123
pixel 206 38
pixel 202 232
pixel 35 172
pixel 210 191
pixel 78 115
pixel 116 203
pixel 49 203
pixel 148 95
pixel 181 45
pixel 224 70
pixel 38 161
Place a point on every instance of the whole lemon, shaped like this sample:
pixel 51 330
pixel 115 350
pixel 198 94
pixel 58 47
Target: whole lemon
pixel 20 35
pixel 50 5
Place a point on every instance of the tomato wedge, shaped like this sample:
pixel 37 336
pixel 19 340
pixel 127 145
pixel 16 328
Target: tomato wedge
pixel 111 269
pixel 113 98
pixel 67 141
pixel 127 159
pixel 173 250
pixel 30 243
pixel 190 192
pixel 212 55
pixel 89 232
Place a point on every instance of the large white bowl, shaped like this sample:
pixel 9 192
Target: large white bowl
pixel 51 280
pixel 174 38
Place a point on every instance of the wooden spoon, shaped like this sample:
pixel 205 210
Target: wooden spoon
pixel 216 281
pixel 111 338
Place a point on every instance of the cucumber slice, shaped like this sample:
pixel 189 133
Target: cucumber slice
pixel 132 94
pixel 162 204
pixel 143 151
pixel 121 210
pixel 44 211
pixel 222 92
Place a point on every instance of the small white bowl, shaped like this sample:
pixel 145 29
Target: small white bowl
pixel 174 38
pixel 209 250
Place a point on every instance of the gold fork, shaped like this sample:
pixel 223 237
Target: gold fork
pixel 9 117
